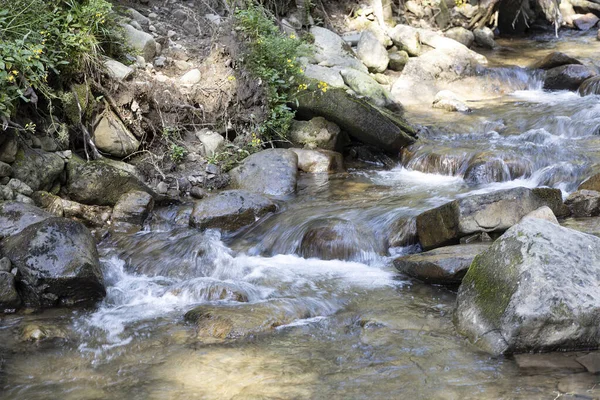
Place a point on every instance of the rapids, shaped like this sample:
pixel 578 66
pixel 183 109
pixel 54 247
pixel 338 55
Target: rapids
pixel 318 323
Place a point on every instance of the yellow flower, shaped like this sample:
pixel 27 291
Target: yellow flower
pixel 302 86
pixel 231 78
pixel 14 72
pixel 292 36
pixel 323 86
pixel 289 61
pixel 300 70
pixel 10 78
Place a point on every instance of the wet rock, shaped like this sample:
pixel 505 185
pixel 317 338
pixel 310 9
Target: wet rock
pixel 484 37
pixel 366 86
pixel 590 87
pixel 36 333
pixel 319 161
pixel 58 263
pixel 38 169
pixel 316 133
pixel 331 50
pixel 446 265
pixel 117 70
pixel 5 170
pixel 398 60
pixel 591 362
pixel 534 289
pixel 567 77
pixel 272 172
pixel 19 187
pixel 362 120
pixel 403 233
pixel 238 321
pixel 113 138
pixel 16 216
pixel 211 141
pixel 579 386
pixel 585 225
pixel 585 22
pixel 230 210
pixel 449 101
pixel 584 203
pixel 406 38
pixel 485 168
pixel 140 41
pixel 461 35
pixel 331 76
pixel 131 211
pixel 592 183
pixel 553 60
pixel 490 212
pixel 191 77
pixel 5 264
pixel 100 183
pixel 544 213
pixel 372 53
pixel 9 298
pixel 9 146
pixel 549 363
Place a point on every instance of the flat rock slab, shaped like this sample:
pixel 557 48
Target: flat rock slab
pixel 549 362
pixel 272 172
pixel 16 216
pixel 446 265
pixel 590 226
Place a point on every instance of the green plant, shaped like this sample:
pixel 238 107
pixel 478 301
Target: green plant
pixel 234 153
pixel 272 57
pixel 177 153
pixel 45 44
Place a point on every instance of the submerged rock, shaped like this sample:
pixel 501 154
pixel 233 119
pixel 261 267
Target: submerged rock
pixel 131 211
pixel 592 183
pixel 319 161
pixel 9 298
pixel 590 87
pixel 446 265
pixel 534 289
pixel 449 101
pixel 230 210
pixel 490 212
pixel 272 172
pixel 58 263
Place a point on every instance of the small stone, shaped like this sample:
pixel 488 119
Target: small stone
pixel 160 61
pixel 152 28
pixel 5 264
pixel 212 169
pixel 484 37
pixel 192 77
pixel 171 34
pixel 6 193
pixel 14 271
pixel 190 27
pixel 182 65
pixel 162 188
pixel 5 170
pixel 152 15
pixel 117 70
pixel 179 15
pixel 136 25
pixel 20 187
pixel 198 192
pixel 24 199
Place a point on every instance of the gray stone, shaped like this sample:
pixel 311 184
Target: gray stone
pixel 162 188
pixel 5 170
pixel 131 211
pixel 316 133
pixel 331 76
pixel 20 187
pixel 366 86
pixel 160 62
pixel 272 172
pixel 414 8
pixel 191 77
pixel 534 289
pixel 319 161
pixel 544 213
pixel 58 263
pixel 490 212
pixel 584 203
pixel 99 183
pixel 461 35
pixel 553 60
pixel 49 144
pixel 360 119
pixel 182 65
pixel 591 183
pixel 198 192
pixel 398 60
pixel 140 41
pixel 590 86
pixel 38 169
pixel 92 216
pixel 9 148
pixel 548 363
pixel 211 141
pixel 16 216
pixel 484 37
pixel 5 265
pixel 449 101
pixel 567 77
pixel 111 136
pixel 486 168
pixel 117 70
pixel 585 22
pixel 230 210
pixel 6 193
pixel 406 38
pixel 591 362
pixel 24 199
pixel 372 53
pixel 332 51
pixel 138 17
pixel 446 265
pixel 9 297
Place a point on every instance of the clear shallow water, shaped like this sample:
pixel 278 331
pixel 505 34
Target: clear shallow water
pixel 306 324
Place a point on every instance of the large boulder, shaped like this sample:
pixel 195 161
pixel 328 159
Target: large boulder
pixel 398 60
pixel 230 210
pixel 534 289
pixel 100 183
pixel 272 172
pixel 461 35
pixel 362 120
pixel 112 137
pixel 584 203
pixel 37 168
pixel 58 263
pixel 585 22
pixel 131 210
pixel 330 75
pixel 553 60
pixel 484 37
pixel 332 51
pixel 16 216
pixel 567 77
pixel 372 53
pixel 141 41
pixel 316 133
pixel 490 212
pixel 406 38
pixel 446 265
pixel 319 161
pixel 365 86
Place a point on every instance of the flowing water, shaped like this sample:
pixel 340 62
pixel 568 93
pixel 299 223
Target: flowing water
pixel 296 318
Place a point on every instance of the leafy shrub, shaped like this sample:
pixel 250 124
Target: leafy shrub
pixel 272 57
pixel 45 43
